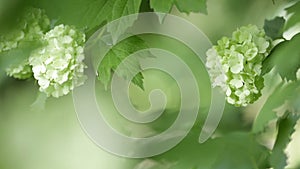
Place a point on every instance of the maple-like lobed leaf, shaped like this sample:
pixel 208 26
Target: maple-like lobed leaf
pixel 116 55
pixel 286 127
pixel 285 57
pixel 295 15
pixel 274 27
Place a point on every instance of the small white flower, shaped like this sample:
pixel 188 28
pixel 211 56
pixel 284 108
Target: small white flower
pixel 43 82
pixel 39 69
pixel 67 39
pixel 228 92
pixel 236 83
pixel 230 100
pixel 219 80
pixel 237 68
pixel 251 53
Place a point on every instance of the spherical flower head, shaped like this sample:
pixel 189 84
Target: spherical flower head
pixel 32 26
pixel 58 67
pixel 235 64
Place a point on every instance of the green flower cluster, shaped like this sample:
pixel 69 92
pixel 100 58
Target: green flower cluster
pixel 32 26
pixel 235 64
pixel 58 67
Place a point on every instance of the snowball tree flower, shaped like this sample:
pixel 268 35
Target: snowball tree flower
pixel 234 64
pixel 58 67
pixel 31 27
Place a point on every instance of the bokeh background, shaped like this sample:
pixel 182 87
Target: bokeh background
pixel 33 137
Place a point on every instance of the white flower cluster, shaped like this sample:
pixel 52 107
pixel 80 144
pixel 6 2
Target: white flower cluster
pixel 32 26
pixel 235 64
pixel 58 67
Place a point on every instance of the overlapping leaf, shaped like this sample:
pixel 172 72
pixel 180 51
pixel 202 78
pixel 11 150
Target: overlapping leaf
pixel 294 19
pixel 116 55
pixel 123 8
pixel 274 27
pixel 286 125
pixel 282 93
pixel 87 14
pixel 186 6
pixel 236 150
pixel 285 57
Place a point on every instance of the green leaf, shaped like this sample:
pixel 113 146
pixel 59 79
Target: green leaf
pixel 188 6
pixel 295 99
pixel 138 80
pixel 116 55
pixel 267 114
pixel 83 14
pixel 267 64
pixel 278 158
pixel 123 8
pixel 282 93
pixel 145 6
pixel 245 153
pixel 274 27
pixel 285 57
pixel 163 6
pixel 87 14
pixel 295 15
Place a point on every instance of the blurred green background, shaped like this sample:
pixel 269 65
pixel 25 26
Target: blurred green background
pixel 53 139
